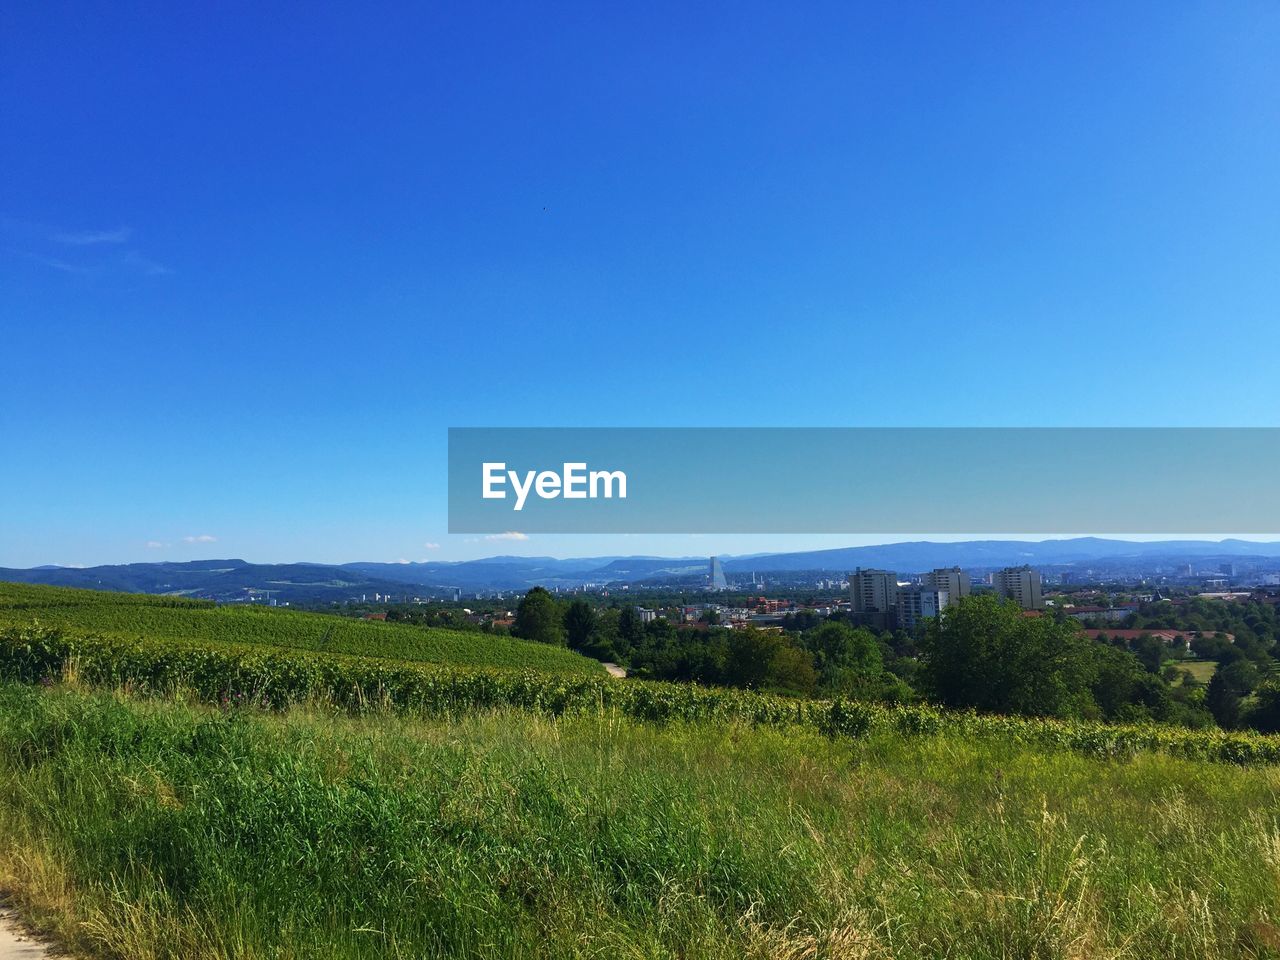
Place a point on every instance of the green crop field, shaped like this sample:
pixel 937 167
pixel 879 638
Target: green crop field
pixel 160 618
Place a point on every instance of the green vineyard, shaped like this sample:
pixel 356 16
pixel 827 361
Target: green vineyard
pixel 232 674
pixel 180 620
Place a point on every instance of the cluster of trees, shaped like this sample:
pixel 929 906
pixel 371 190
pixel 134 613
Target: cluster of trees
pixel 432 616
pixel 987 655
pixel 1242 691
pixel 1242 638
pixel 984 655
pixel 1255 625
pixel 831 658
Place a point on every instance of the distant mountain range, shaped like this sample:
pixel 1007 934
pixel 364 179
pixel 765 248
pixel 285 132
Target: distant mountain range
pixel 300 582
pixel 918 556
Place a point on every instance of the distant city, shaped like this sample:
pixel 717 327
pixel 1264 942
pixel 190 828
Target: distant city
pixel 882 600
pixel 873 589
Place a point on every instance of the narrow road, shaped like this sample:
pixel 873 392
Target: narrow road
pixel 615 670
pixel 15 944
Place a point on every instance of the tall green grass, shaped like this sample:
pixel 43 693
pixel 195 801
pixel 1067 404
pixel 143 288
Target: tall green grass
pixel 151 829
pixel 160 618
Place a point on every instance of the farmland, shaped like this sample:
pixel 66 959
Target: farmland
pixel 170 619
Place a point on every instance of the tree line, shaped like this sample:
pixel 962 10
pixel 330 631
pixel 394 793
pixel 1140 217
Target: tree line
pixel 985 655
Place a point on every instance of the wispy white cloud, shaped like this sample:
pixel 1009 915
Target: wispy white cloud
pixel 55 263
pixel 509 535
pixel 89 238
pixel 90 253
pixel 155 545
pixel 202 538
pixel 133 260
pixel 431 546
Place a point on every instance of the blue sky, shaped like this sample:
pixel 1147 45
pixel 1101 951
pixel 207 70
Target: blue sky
pixel 254 262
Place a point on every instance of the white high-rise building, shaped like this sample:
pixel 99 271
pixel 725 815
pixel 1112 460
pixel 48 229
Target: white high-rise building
pixel 916 603
pixel 953 580
pixel 1021 584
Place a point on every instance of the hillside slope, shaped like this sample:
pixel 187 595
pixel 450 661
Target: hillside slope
pixel 169 618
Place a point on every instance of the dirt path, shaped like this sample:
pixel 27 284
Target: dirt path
pixel 15 944
pixel 615 670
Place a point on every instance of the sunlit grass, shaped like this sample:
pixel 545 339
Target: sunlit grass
pixel 156 829
pixel 1201 671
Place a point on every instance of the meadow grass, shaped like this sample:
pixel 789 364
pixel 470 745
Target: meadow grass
pixel 1201 670
pixel 146 828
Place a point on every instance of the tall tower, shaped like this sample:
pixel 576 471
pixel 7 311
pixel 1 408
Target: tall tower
pixel 718 582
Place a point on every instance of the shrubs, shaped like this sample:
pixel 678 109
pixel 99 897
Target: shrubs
pixel 276 678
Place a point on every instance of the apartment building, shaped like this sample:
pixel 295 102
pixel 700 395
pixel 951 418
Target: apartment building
pixel 873 595
pixel 915 604
pixel 1021 584
pixel 952 580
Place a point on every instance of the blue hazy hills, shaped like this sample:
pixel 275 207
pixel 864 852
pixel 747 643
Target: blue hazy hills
pixel 235 578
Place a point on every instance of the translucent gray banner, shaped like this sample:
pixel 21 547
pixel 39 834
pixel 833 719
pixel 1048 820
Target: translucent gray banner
pixel 864 480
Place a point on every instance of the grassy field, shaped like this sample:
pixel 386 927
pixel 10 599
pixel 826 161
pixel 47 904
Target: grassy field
pixel 167 618
pixel 153 829
pixel 1201 670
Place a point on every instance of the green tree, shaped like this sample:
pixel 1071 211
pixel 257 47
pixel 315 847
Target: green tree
pixel 538 617
pixel 1116 677
pixel 1265 715
pixel 630 629
pixel 1230 684
pixel 1125 691
pixel 848 659
pixel 607 644
pixel 1151 651
pixel 987 655
pixel 792 670
pixel 579 624
pixel 750 657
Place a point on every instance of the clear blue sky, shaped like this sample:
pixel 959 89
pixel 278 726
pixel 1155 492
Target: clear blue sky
pixel 254 261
